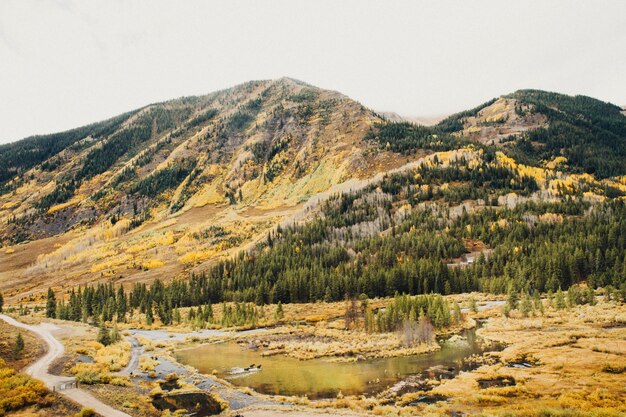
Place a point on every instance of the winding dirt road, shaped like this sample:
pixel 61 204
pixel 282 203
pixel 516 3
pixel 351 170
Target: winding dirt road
pixel 39 370
pixel 135 352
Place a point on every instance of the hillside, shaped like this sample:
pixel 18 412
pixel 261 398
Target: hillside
pixel 174 188
pixel 576 133
pixel 456 222
pixel 165 188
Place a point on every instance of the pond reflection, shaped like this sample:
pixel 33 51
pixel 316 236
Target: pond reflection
pixel 320 378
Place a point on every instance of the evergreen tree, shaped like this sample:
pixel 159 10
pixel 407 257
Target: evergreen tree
pixel 457 313
pixel 526 307
pixel 84 314
pixel 473 305
pixel 191 314
pixel 115 334
pixel 559 300
pixel 149 316
pixel 537 304
pixel 164 311
pixel 209 313
pixel 279 314
pixel 104 336
pixel 51 305
pixel 121 305
pixel 513 298
pixel 550 298
pixel 591 296
pixel 19 345
pixel 328 297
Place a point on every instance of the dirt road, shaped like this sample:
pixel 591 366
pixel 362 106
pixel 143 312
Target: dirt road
pixel 135 352
pixel 39 370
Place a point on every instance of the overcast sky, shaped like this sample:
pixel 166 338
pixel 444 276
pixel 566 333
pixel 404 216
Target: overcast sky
pixel 68 63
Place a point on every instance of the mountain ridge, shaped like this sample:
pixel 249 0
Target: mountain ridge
pixel 242 157
pixel 173 187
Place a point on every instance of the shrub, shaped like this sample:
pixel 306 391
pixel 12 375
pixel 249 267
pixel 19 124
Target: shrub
pixel 19 390
pixel 120 381
pixel 171 377
pixel 156 392
pixel 91 376
pixel 613 368
pixel 86 412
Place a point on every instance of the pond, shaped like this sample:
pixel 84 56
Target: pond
pixel 320 378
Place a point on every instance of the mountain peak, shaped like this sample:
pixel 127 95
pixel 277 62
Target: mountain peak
pixel 290 80
pixel 206 174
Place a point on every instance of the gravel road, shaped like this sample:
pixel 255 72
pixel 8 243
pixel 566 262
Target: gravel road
pixel 136 351
pixel 39 370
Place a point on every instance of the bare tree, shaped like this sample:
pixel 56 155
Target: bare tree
pixel 425 329
pixel 352 312
pixel 414 332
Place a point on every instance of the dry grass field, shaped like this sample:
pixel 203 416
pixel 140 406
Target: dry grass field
pixel 578 366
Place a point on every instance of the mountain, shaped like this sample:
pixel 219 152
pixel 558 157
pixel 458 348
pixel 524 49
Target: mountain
pixel 543 128
pixel 281 168
pixel 167 187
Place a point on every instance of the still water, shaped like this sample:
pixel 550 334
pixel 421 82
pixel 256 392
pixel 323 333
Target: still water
pixel 319 378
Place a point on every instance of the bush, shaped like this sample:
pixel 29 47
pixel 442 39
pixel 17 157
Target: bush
pixel 19 390
pixel 92 376
pixel 156 392
pixel 171 377
pixel 86 412
pixel 613 368
pixel 120 381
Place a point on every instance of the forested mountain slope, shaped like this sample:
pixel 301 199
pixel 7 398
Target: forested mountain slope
pixel 170 186
pixel 458 221
pixel 576 133
pixel 177 189
pixel 462 221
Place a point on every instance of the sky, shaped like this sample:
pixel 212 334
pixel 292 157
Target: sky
pixel 64 64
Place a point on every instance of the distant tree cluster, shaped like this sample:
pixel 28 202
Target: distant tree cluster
pixel 102 302
pixel 454 123
pixel 406 138
pixel 106 303
pixel 164 179
pixel 19 156
pixel 405 312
